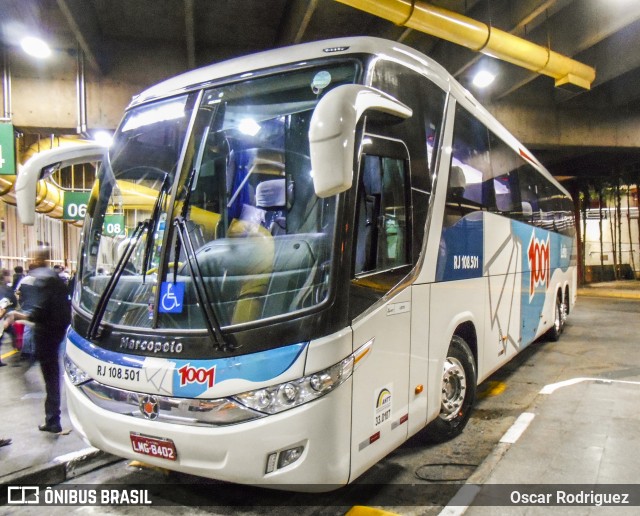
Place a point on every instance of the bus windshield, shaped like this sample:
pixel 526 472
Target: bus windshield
pixel 245 233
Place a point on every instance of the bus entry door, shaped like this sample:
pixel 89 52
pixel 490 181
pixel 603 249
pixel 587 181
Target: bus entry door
pixel 380 311
pixel 381 382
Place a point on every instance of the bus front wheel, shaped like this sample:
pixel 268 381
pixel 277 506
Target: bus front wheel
pixel 458 392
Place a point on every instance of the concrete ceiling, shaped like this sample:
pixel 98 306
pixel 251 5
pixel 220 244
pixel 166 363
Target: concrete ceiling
pixel 166 37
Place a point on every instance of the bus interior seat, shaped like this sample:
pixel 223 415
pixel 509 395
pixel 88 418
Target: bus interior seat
pixel 271 196
pixel 294 276
pixel 294 260
pixel 286 276
pixel 242 169
pixel 455 196
pixel 527 211
pixel 457 183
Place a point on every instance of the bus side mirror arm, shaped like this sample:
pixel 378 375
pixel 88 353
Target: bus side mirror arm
pixel 332 133
pixel 42 165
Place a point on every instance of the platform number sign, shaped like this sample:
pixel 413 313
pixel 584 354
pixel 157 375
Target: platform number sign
pixel 113 225
pixel 75 205
pixel 7 150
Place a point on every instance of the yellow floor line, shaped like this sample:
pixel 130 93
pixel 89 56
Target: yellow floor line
pixel 493 388
pixel 144 465
pixel 361 510
pixel 9 354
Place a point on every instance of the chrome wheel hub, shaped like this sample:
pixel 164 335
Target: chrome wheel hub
pixel 454 387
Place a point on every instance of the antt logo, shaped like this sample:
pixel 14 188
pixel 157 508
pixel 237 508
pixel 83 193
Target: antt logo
pixel 538 264
pixel 200 375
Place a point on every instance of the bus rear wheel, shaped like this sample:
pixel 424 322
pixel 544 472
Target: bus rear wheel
pixel 559 319
pixel 458 392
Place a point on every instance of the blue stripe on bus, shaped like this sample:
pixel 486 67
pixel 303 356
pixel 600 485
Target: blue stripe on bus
pixel 543 252
pixel 255 367
pixel 104 355
pixel 461 257
pixel 461 252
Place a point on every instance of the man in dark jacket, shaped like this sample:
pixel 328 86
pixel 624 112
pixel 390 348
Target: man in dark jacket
pixel 51 315
pixel 18 274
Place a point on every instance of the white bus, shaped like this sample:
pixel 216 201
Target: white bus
pixel 294 261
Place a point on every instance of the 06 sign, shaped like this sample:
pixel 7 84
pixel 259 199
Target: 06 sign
pixel 75 205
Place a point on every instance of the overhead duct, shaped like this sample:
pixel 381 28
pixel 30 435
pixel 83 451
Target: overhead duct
pixel 34 193
pixel 48 195
pixel 480 37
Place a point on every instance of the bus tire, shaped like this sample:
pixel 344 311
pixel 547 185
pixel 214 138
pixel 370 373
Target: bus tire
pixel 458 392
pixel 559 317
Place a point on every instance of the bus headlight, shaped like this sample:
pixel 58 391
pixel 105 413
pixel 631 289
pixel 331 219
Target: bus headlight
pixel 75 374
pixel 277 398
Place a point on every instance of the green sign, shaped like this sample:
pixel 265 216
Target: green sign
pixel 7 150
pixel 113 225
pixel 75 205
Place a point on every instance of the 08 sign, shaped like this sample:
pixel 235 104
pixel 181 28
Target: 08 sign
pixel 75 205
pixel 113 225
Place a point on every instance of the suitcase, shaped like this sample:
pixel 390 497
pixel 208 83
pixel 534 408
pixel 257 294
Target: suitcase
pixel 18 333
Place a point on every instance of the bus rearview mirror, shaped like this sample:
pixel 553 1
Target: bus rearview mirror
pixel 333 129
pixel 42 165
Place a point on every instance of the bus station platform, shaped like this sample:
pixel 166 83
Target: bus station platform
pixel 571 446
pixel 582 431
pixel 624 289
pixel 34 456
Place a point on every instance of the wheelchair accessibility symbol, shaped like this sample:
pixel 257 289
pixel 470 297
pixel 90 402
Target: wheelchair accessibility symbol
pixel 171 297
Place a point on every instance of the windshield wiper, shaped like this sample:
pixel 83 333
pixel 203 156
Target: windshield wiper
pixel 183 215
pixel 155 214
pixel 211 321
pixel 101 307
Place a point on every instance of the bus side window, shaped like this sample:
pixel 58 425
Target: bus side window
pixel 505 202
pixel 468 189
pixel 381 238
pixel 504 166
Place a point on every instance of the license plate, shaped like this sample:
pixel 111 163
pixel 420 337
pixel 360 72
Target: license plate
pixel 153 446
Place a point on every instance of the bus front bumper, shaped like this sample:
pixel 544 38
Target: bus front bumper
pixel 246 453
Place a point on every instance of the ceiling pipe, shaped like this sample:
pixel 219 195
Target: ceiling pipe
pixel 480 37
pixel 6 86
pixel 81 93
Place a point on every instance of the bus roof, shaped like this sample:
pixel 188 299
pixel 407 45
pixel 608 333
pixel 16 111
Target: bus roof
pixel 246 65
pixel 292 54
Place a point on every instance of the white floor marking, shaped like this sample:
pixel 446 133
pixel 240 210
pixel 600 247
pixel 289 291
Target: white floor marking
pixel 518 428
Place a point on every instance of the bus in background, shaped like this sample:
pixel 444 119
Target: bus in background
pixel 294 261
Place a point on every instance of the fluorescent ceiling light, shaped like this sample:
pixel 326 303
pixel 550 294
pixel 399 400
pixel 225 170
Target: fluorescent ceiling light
pixel 483 79
pixel 249 126
pixel 35 47
pixel 103 137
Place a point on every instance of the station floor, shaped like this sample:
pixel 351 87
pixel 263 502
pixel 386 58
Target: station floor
pixel 576 445
pixel 583 432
